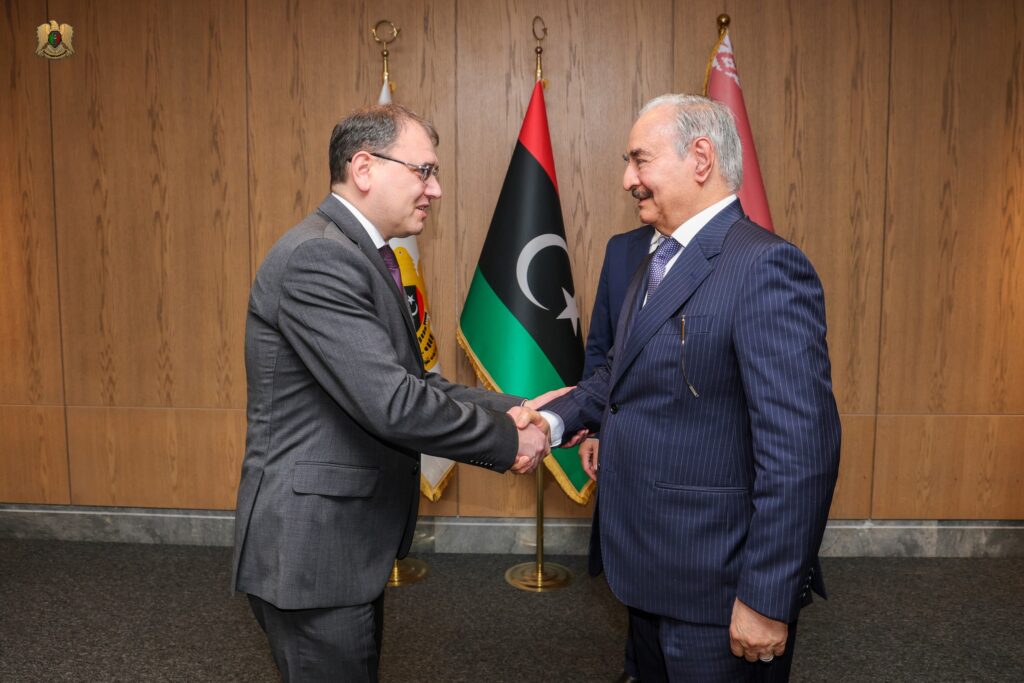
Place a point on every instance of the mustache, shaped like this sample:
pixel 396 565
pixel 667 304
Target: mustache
pixel 641 193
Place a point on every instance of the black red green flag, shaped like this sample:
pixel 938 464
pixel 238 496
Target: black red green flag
pixel 520 326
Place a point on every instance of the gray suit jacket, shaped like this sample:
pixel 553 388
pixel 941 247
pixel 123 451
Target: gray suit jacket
pixel 339 409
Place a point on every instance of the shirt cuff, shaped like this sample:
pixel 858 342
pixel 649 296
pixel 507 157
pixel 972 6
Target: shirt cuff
pixel 556 425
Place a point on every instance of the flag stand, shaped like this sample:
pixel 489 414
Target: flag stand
pixel 538 577
pixel 409 570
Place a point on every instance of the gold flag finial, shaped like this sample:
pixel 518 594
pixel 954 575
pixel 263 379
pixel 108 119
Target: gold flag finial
pixel 723 24
pixel 376 33
pixel 539 50
pixel 723 30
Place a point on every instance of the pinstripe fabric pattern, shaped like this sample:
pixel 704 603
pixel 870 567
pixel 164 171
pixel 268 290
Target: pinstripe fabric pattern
pixel 705 499
pixel 673 650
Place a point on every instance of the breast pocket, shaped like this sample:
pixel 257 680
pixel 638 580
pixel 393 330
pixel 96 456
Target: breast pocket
pixel 684 339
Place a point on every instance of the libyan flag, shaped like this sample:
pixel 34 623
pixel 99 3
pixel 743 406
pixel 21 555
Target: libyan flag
pixel 520 326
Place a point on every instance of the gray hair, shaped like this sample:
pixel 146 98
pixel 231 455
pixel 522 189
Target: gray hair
pixel 372 129
pixel 698 116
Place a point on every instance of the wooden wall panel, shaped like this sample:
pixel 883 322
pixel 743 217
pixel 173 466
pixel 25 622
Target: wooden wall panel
pixel 953 302
pixel 30 363
pixel 186 137
pixel 149 133
pixel 949 467
pixel 33 452
pixel 852 499
pixel 33 458
pixel 295 95
pixel 149 457
pixel 817 108
pixel 602 64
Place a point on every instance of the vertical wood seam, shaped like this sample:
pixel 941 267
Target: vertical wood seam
pixel 56 259
pixel 881 271
pixel 248 147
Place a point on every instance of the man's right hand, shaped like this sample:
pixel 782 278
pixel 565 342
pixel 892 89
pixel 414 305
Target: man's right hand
pixel 534 443
pixel 588 457
pixel 533 446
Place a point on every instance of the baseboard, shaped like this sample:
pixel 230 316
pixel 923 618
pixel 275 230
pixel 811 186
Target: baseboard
pixel 843 538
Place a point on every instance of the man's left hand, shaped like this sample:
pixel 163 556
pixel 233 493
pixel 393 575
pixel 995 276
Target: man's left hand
pixel 754 636
pixel 547 397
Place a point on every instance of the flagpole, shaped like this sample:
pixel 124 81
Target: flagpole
pixel 407 570
pixel 537 577
pixel 723 29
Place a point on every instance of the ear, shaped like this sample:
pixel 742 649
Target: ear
pixel 704 158
pixel 359 170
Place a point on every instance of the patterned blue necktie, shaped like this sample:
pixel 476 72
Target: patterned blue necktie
pixel 656 270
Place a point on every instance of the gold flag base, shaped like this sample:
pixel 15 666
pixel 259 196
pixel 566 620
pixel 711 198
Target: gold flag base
pixel 538 578
pixel 409 570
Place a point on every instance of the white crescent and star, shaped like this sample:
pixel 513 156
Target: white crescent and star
pixel 526 256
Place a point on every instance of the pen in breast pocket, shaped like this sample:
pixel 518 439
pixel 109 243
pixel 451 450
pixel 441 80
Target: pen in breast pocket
pixel 682 356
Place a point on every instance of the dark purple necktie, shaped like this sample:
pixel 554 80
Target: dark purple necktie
pixel 656 271
pixel 388 254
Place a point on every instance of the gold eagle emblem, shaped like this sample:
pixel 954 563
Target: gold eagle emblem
pixel 55 40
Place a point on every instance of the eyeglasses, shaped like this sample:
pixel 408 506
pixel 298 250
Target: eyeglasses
pixel 423 170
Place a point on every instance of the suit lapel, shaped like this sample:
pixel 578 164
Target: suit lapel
pixel 629 303
pixel 341 217
pixel 691 269
pixel 639 248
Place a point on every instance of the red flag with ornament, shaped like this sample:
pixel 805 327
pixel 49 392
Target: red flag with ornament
pixel 723 84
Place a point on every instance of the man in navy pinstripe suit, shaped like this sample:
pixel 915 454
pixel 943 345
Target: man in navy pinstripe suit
pixel 719 430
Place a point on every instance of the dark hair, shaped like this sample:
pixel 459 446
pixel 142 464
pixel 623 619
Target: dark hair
pixel 374 129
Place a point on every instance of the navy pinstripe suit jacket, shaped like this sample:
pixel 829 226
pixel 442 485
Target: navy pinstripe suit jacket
pixel 705 499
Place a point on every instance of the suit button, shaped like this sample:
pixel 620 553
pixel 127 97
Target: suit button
pixel 614 408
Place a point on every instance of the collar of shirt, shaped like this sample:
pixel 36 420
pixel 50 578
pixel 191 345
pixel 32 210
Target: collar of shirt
pixel 656 239
pixel 691 226
pixel 378 241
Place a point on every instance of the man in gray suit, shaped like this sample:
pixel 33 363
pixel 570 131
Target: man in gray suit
pixel 340 407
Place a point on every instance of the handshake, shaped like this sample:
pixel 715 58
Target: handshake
pixel 535 432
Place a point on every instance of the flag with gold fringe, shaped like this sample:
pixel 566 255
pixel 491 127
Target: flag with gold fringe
pixel 520 326
pixel 435 472
pixel 722 83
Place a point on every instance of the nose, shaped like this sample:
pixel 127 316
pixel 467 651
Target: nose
pixel 629 178
pixel 433 188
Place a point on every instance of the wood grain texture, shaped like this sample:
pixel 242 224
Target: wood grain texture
pixel 30 359
pixel 852 498
pixel 33 460
pixel 188 136
pixel 953 301
pixel 817 108
pixel 949 467
pixel 163 458
pixel 149 128
pixel 296 93
pixel 602 60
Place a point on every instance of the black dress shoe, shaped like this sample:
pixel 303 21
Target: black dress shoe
pixel 626 678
